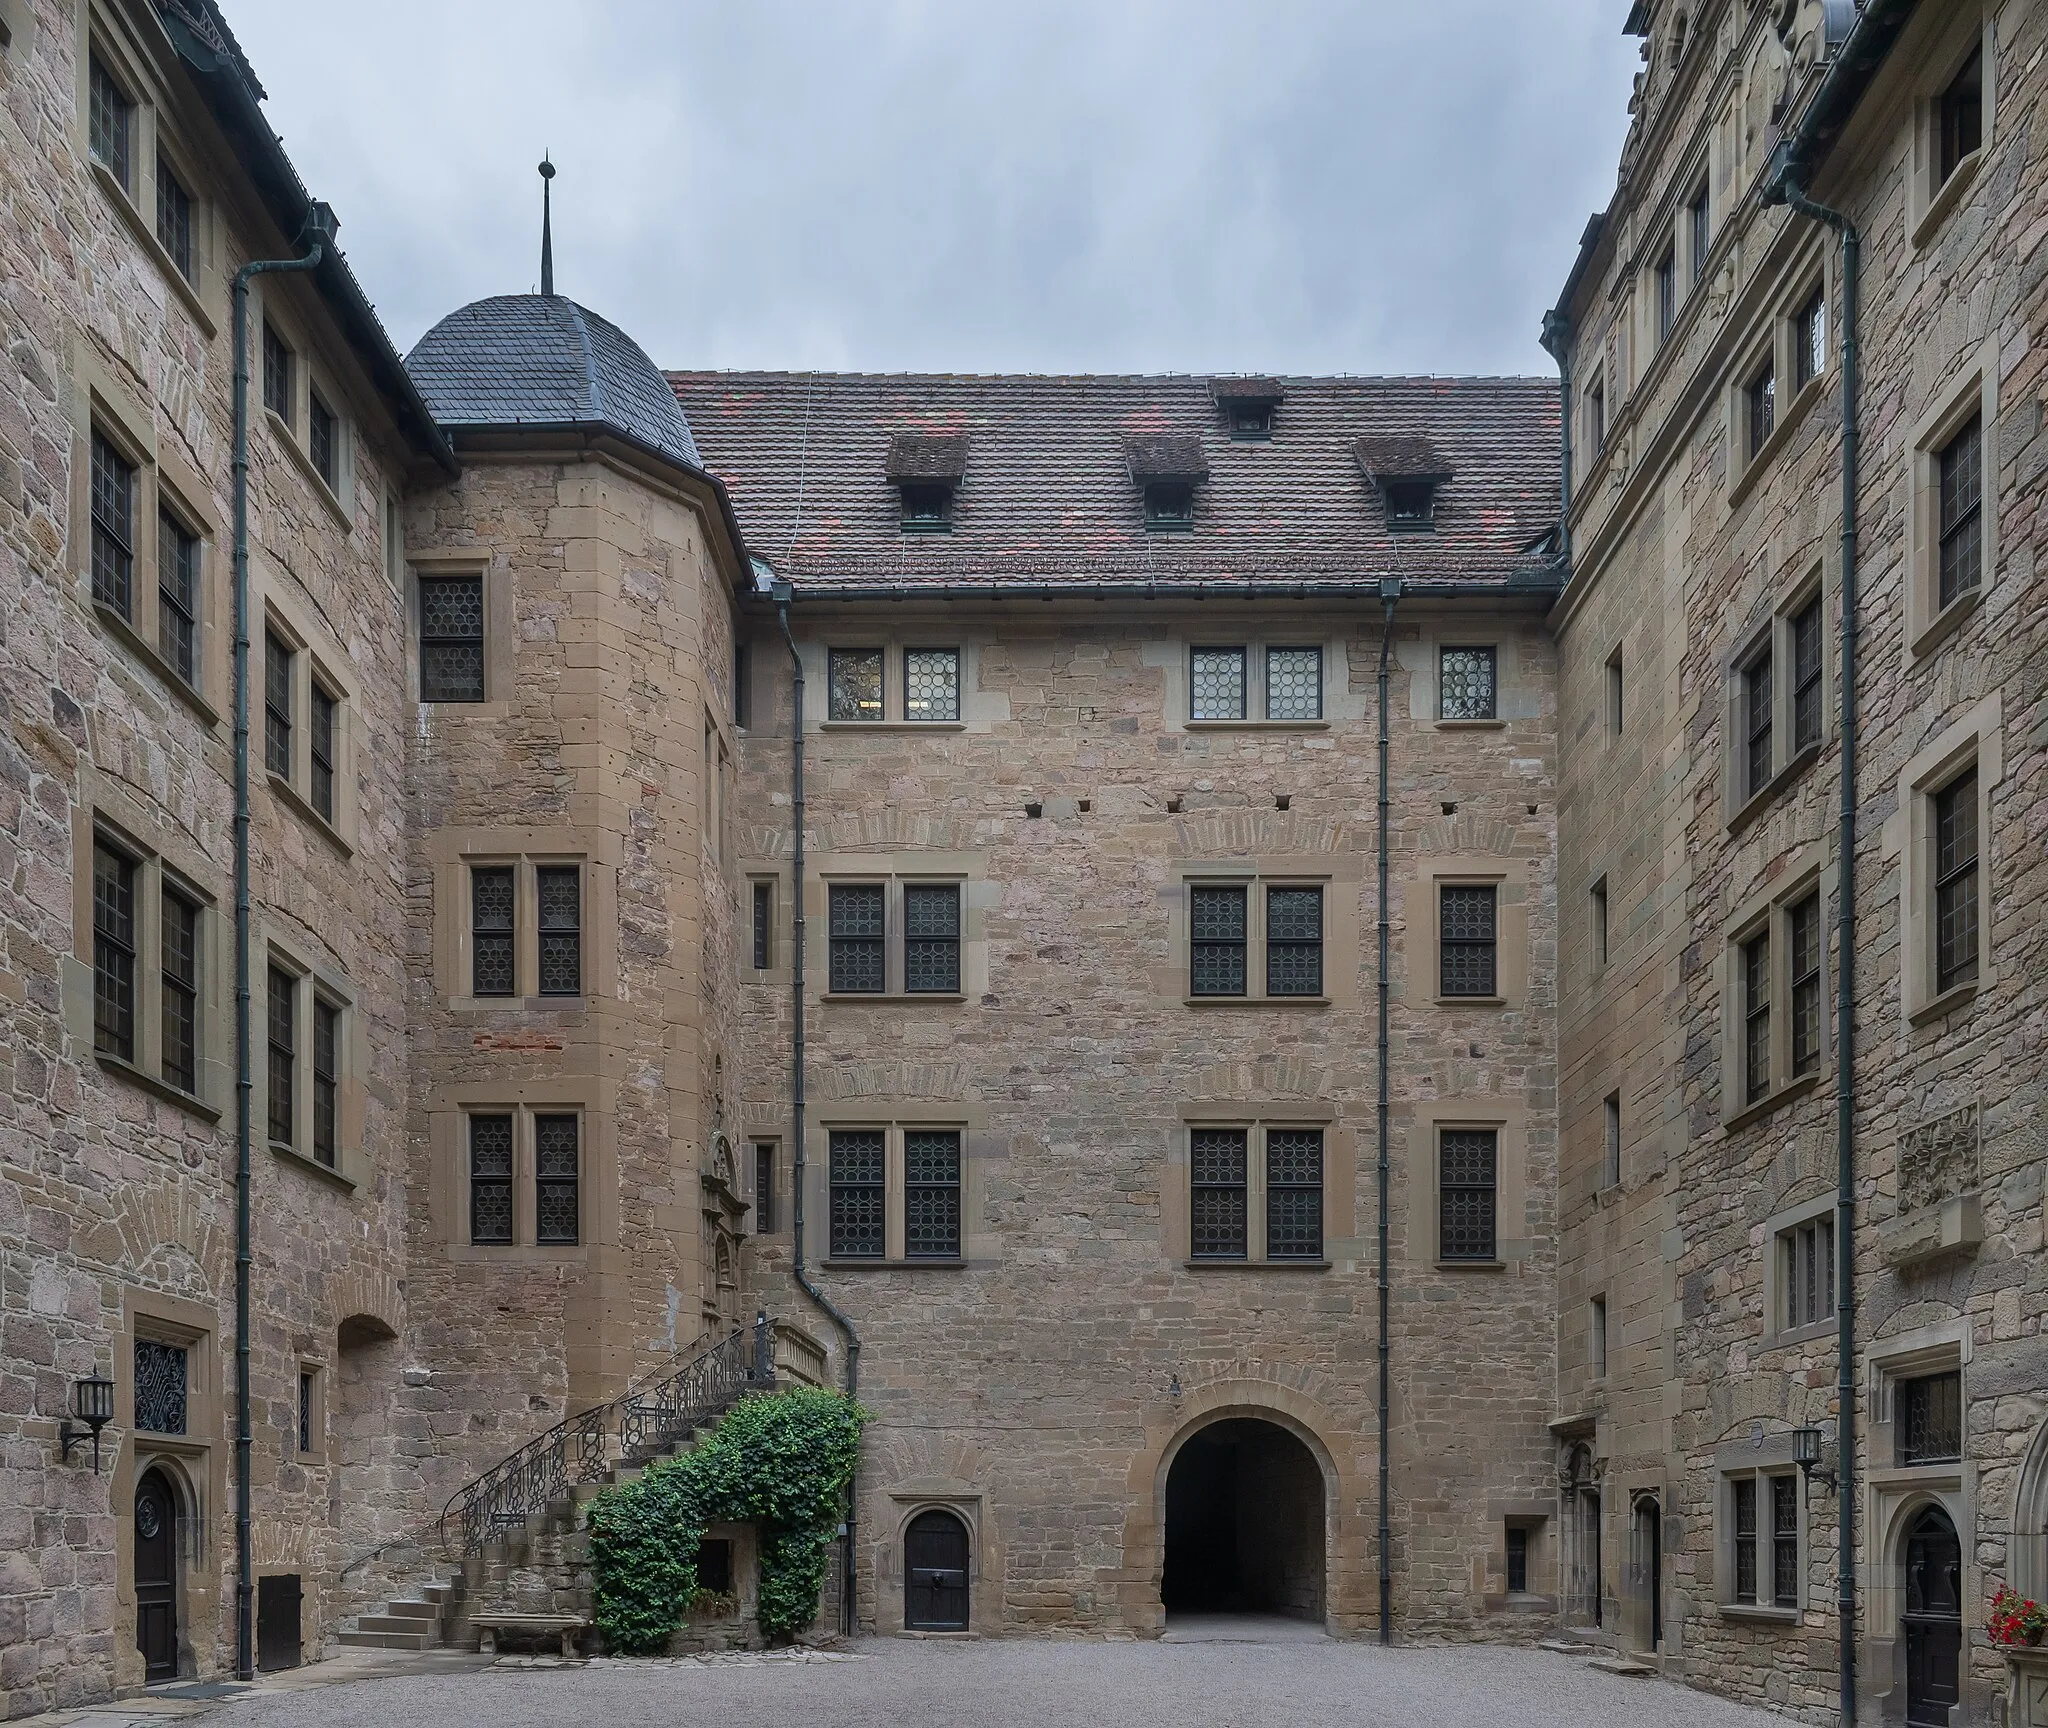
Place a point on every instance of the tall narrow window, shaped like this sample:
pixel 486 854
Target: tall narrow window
pixel 1785 1541
pixel 559 891
pixel 491 953
pixel 1466 1176
pixel 1807 1254
pixel 490 1180
pixel 113 528
pixel 853 678
pixel 1665 293
pixel 1756 1017
pixel 323 439
pixel 1610 1141
pixel 858 925
pixel 742 686
pixel 1294 941
pixel 1217 683
pixel 306 1423
pixel 931 1194
pixel 1596 415
pixel 1806 676
pixel 1757 719
pixel 555 1180
pixel 110 124
pixel 173 217
pixel 931 937
pixel 764 1187
pixel 1960 119
pixel 1599 922
pixel 1465 684
pixel 282 1017
pixel 1596 1345
pixel 859 1175
pixel 113 953
pixel 277 373
pixel 1803 927
pixel 1216 1180
pixel 1960 476
pixel 1614 695
pixel 1216 925
pixel 451 638
pixel 1700 231
pixel 181 992
pixel 1518 1560
pixel 1927 1419
pixel 1745 1538
pixel 277 706
pixel 321 745
pixel 1294 1194
pixel 177 591
pixel 1294 683
pixel 931 684
pixel 764 925
pixel 1760 399
pixel 1467 939
pixel 163 1378
pixel 326 1071
pixel 1810 339
pixel 1955 883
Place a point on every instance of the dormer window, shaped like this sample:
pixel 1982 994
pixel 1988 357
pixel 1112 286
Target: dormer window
pixel 1408 471
pixel 926 468
pixel 1169 505
pixel 1410 503
pixel 1247 406
pixel 1166 467
pixel 927 509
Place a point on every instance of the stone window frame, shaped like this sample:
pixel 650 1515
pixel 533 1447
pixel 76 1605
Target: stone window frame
pixel 1600 924
pixel 777 935
pixel 453 851
pixel 1773 345
pixel 1773 639
pixel 521 1094
pixel 1898 1492
pixel 1508 1120
pixel 894 872
pixel 1973 741
pixel 1778 1233
pixel 1256 650
pixel 1256 1116
pixel 316 660
pixel 891 1119
pixel 1930 201
pixel 892 648
pixel 1509 879
pixel 1425 672
pixel 525 1179
pixel 1762 1460
pixel 316 1453
pixel 776 1216
pixel 1971 391
pixel 1257 877
pixel 1768 908
pixel 501 648
pixel 313 981
pixel 272 308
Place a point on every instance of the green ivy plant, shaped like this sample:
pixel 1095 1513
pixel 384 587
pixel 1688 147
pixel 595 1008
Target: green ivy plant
pixel 781 1462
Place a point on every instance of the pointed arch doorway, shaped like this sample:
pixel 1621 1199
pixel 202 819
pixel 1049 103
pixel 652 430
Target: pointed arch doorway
pixel 155 1561
pixel 1932 1624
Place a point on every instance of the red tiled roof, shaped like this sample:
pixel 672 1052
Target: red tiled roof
pixel 1048 498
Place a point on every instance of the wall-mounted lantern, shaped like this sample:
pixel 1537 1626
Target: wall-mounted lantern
pixel 92 1402
pixel 1806 1454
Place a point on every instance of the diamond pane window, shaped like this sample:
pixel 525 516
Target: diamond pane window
pixel 113 953
pixel 931 937
pixel 1928 1418
pixel 1961 480
pixel 555 1171
pixel 1216 1180
pixel 1465 684
pixel 1294 683
pixel 1745 1539
pixel 853 679
pixel 490 1180
pixel 1294 941
pixel 1756 724
pixel 321 750
pixel 1785 1541
pixel 162 1386
pixel 1955 883
pixel 490 931
pixel 181 992
pixel 1294 1194
pixel 177 589
pixel 1216 924
pixel 1804 924
pixel 857 926
pixel 931 684
pixel 326 1060
pixel 931 1194
pixel 1218 684
pixel 1465 1193
pixel 859 1209
pixel 113 528
pixel 173 218
pixel 559 890
pixel 110 123
pixel 1756 1017
pixel 1806 677
pixel 282 1026
pixel 451 638
pixel 277 706
pixel 1467 928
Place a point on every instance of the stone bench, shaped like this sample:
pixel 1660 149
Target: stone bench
pixel 569 1626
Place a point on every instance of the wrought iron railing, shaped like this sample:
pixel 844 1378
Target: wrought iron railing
pixel 630 1429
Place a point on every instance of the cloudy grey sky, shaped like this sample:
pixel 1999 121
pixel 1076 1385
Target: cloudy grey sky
pixel 979 185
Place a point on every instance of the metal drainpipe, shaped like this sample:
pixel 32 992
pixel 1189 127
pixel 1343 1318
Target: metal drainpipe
pixel 783 595
pixel 319 228
pixel 1557 342
pixel 1390 591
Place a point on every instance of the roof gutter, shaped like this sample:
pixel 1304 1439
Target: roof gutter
pixel 1543 585
pixel 1842 86
pixel 1556 338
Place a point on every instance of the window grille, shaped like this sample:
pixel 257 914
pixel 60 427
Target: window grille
pixel 1465 684
pixel 1762 401
pixel 1518 1560
pixel 177 588
pixel 1218 684
pixel 859 1194
pixel 305 1410
pixel 1961 480
pixel 1216 924
pixel 1467 937
pixel 113 953
pixel 931 684
pixel 277 706
pixel 162 1386
pixel 1961 117
pixel 491 953
pixel 1294 941
pixel 1745 1538
pixel 931 937
pixel 326 1068
pixel 282 1017
pixel 559 891
pixel 1466 1160
pixel 451 638
pixel 1808 1252
pixel 321 749
pixel 931 1194
pixel 764 1187
pixel 854 683
pixel 764 925
pixel 857 923
pixel 1216 1180
pixel 1294 683
pixel 323 440
pixel 1756 724
pixel 1806 677
pixel 555 1179
pixel 173 218
pixel 277 374
pixel 1294 1194
pixel 1756 1017
pixel 1810 339
pixel 113 528
pixel 1804 922
pixel 110 118
pixel 490 1180
pixel 1955 883
pixel 1170 505
pixel 181 992
pixel 1928 1418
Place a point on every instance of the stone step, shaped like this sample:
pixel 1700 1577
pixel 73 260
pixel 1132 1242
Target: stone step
pixel 390 1622
pixel 1620 1665
pixel 386 1640
pixel 408 1610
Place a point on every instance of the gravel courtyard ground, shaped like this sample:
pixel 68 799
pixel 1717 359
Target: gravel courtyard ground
pixel 896 1683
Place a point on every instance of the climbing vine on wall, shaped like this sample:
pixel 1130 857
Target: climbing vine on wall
pixel 780 1462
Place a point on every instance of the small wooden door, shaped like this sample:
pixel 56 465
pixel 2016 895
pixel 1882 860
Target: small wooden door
pixel 156 1576
pixel 935 1573
pixel 1933 1621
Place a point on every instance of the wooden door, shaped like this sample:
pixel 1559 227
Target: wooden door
pixel 156 1576
pixel 935 1573
pixel 1933 1621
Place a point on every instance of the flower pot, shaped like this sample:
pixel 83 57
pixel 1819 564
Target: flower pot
pixel 2033 1634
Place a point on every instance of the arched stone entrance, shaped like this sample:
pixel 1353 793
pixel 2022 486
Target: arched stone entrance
pixel 1932 1624
pixel 156 1575
pixel 1246 1523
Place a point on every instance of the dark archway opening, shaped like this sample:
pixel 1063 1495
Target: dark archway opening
pixel 1933 1620
pixel 1245 1524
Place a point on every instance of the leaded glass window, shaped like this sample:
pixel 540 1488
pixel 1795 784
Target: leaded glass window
pixel 113 953
pixel 1955 883
pixel 1294 941
pixel 277 373
pixel 931 1194
pixel 1809 1272
pixel 1467 939
pixel 764 925
pixel 177 590
pixel 1465 684
pixel 1294 1194
pixel 1216 1181
pixel 162 1386
pixel 1756 724
pixel 857 924
pixel 1216 925
pixel 1804 927
pixel 1218 684
pixel 1928 1418
pixel 181 992
pixel 110 121
pixel 321 750
pixel 324 441
pixel 1745 1538
pixel 555 1179
pixel 853 678
pixel 1960 117
pixel 1466 1177
pixel 931 684
pixel 859 1167
pixel 277 706
pixel 931 937
pixel 1810 339
pixel 282 1029
pixel 558 889
pixel 1806 677
pixel 490 1180
pixel 1756 1017
pixel 1785 1541
pixel 326 1076
pixel 305 1410
pixel 173 217
pixel 1961 480
pixel 1294 683
pixel 1761 399
pixel 451 638
pixel 113 528
pixel 492 963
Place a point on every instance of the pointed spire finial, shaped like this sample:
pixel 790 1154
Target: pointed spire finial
pixel 547 238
